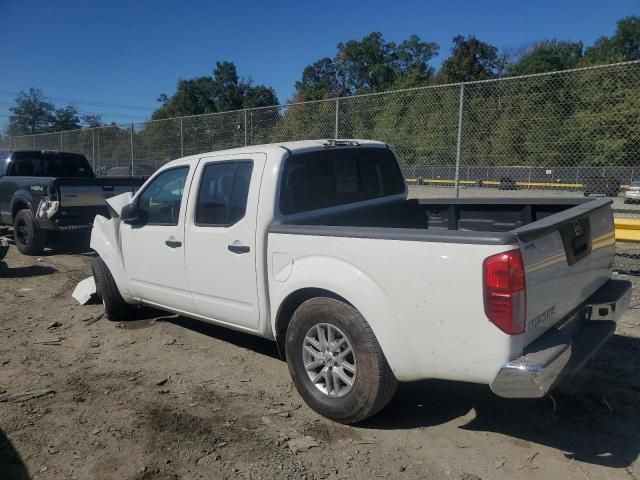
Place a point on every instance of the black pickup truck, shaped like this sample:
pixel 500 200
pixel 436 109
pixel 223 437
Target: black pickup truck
pixel 42 191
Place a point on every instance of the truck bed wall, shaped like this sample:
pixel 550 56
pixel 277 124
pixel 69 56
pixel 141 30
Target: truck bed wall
pixel 481 215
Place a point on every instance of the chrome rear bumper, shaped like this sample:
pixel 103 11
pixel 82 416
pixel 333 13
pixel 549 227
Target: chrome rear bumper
pixel 565 349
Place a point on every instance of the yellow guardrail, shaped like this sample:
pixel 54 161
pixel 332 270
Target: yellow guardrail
pixel 627 230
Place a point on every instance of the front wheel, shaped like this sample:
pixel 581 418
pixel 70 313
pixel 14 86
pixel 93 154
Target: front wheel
pixel 336 362
pixel 115 307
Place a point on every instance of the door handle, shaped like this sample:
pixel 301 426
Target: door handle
pixel 235 248
pixel 173 243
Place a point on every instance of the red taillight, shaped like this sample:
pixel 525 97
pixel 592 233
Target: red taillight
pixel 504 291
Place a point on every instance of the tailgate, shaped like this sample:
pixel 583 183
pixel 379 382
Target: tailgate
pixel 567 256
pixel 94 192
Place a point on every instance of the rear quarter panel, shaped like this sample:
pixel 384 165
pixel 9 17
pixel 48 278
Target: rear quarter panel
pixel 423 300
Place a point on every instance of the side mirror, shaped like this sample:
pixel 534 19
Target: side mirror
pixel 131 214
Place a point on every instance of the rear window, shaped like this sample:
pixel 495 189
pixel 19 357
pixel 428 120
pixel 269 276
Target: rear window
pixel 331 177
pixel 45 164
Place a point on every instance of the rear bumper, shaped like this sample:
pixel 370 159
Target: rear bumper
pixel 66 224
pixel 565 349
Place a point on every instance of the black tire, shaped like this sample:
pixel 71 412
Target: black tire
pixel 374 383
pixel 115 308
pixel 29 239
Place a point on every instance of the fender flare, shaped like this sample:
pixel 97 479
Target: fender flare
pixel 105 241
pixel 21 197
pixel 360 290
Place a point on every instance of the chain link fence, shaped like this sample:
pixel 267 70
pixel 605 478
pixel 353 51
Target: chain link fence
pixel 551 134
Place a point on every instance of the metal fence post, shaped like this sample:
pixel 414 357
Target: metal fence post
pixel 34 142
pixel 459 142
pixel 335 135
pixel 181 138
pixel 98 149
pixel 93 148
pixel 245 129
pixel 61 143
pixel 131 142
pixel 251 127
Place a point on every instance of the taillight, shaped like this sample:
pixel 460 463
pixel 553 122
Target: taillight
pixel 504 291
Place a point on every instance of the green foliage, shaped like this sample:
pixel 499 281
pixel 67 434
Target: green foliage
pixel 470 60
pixel 320 81
pixel 92 120
pixel 65 118
pixel 548 56
pixel 31 113
pixel 623 46
pixel 221 92
pixel 368 65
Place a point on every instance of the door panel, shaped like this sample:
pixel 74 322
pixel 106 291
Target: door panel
pixel 154 250
pixel 220 234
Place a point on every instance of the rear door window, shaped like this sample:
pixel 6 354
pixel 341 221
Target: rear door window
pixel 223 192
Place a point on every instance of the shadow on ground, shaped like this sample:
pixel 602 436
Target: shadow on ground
pixel 24 272
pixel 62 243
pixel 146 317
pixel 11 464
pixel 593 417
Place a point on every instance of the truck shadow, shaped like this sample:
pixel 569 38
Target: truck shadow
pixel 24 272
pixel 240 339
pixel 11 464
pixel 61 243
pixel 594 417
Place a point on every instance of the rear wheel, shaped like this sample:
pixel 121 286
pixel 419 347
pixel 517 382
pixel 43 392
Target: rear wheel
pixel 336 362
pixel 29 239
pixel 115 307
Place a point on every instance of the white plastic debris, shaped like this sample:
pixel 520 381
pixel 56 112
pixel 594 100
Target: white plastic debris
pixel 84 291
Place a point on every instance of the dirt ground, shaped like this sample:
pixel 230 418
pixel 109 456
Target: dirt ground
pixel 172 398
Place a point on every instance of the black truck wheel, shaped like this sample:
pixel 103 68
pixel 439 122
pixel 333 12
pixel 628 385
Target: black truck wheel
pixel 115 307
pixel 336 362
pixel 28 237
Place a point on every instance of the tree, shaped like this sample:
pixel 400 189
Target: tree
pixel 623 46
pixel 31 113
pixel 220 92
pixel 66 118
pixel 413 56
pixel 368 65
pixel 319 81
pixel 91 120
pixel 470 59
pixel 548 56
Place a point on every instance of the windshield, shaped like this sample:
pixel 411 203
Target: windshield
pixel 50 164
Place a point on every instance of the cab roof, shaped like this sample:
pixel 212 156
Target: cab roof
pixel 292 147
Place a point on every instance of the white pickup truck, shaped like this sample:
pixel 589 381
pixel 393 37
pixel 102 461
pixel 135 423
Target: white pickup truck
pixel 315 245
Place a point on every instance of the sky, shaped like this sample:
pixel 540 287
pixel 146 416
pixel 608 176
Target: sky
pixel 118 54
